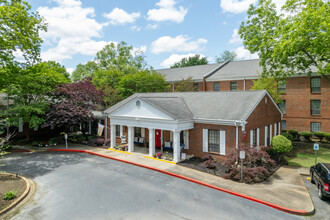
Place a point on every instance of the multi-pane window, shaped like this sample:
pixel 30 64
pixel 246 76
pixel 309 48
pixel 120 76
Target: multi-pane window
pixel 283 124
pixel 233 85
pixel 315 126
pixel 216 86
pixel 137 132
pixel 214 141
pixel 315 85
pixel 281 87
pixel 195 87
pixel 117 130
pixel 316 107
pixel 282 106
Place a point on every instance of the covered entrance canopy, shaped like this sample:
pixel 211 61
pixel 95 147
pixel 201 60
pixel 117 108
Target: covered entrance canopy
pixel 154 113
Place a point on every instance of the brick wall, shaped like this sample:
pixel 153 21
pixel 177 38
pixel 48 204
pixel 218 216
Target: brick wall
pixel 298 112
pixel 264 114
pixel 225 85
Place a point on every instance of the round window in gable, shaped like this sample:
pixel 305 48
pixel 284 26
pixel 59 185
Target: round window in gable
pixel 138 104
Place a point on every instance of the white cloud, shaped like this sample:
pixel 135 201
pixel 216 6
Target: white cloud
pixel 135 28
pixel 119 16
pixel 236 6
pixel 244 54
pixel 179 43
pixel 167 12
pixel 70 70
pixel 71 30
pixel 176 58
pixel 235 38
pixel 152 26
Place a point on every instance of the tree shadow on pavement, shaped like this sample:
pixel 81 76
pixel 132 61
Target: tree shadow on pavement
pixel 34 164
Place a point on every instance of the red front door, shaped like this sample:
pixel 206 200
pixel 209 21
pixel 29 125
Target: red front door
pixel 158 135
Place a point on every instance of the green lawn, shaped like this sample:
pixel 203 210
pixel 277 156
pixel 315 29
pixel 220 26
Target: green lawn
pixel 304 155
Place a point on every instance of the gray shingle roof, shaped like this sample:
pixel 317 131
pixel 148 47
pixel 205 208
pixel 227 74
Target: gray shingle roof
pixel 230 105
pixel 237 70
pixel 196 72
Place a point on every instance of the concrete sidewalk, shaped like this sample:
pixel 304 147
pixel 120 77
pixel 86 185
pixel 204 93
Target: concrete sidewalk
pixel 284 188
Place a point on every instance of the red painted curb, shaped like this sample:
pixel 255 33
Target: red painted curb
pixel 291 211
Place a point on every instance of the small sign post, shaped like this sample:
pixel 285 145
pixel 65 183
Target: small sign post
pixel 66 140
pixel 242 157
pixel 316 148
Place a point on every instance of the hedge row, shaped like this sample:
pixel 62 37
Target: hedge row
pixel 294 135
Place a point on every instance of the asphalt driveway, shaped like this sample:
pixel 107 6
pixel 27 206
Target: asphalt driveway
pixel 82 186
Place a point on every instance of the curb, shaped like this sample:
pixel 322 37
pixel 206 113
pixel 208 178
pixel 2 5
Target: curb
pixel 25 193
pixel 284 209
pixel 166 161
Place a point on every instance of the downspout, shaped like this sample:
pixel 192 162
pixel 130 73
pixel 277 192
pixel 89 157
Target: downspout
pixel 244 83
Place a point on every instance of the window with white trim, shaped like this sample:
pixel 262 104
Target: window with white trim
pixel 281 87
pixel 214 141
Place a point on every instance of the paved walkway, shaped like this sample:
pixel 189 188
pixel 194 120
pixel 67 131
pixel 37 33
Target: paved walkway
pixel 284 188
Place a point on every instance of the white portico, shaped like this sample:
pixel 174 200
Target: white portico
pixel 153 113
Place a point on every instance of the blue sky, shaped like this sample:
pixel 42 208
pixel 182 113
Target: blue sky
pixel 166 30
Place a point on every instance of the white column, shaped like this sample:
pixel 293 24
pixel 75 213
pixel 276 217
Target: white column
pixel 130 138
pixel 151 142
pixel 112 135
pixel 279 128
pixel 236 137
pixel 121 131
pixel 270 133
pixel 176 146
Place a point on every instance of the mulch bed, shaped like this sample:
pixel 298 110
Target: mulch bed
pixel 220 170
pixel 198 164
pixel 9 183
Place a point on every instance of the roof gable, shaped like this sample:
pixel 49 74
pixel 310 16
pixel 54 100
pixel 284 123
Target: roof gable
pixel 139 108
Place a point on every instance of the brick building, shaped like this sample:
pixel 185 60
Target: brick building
pixel 306 100
pixel 199 122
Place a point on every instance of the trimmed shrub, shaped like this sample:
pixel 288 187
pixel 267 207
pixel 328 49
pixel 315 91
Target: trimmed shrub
pixel 306 134
pixel 327 136
pixel 288 136
pixel 281 144
pixel 293 132
pixel 319 134
pixel 284 130
pixel 210 164
pixel 107 141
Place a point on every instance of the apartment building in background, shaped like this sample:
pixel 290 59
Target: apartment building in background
pixel 305 100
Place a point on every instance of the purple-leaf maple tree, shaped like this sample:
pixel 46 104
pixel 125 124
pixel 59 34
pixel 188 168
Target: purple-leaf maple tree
pixel 72 104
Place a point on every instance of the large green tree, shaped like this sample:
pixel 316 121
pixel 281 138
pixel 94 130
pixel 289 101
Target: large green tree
pixel 293 42
pixel 185 85
pixel 84 71
pixel 191 61
pixel 19 31
pixel 30 92
pixel 142 81
pixel 227 55
pixel 120 70
pixel 269 84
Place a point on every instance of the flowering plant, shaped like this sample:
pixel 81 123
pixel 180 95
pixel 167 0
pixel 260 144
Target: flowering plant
pixel 159 154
